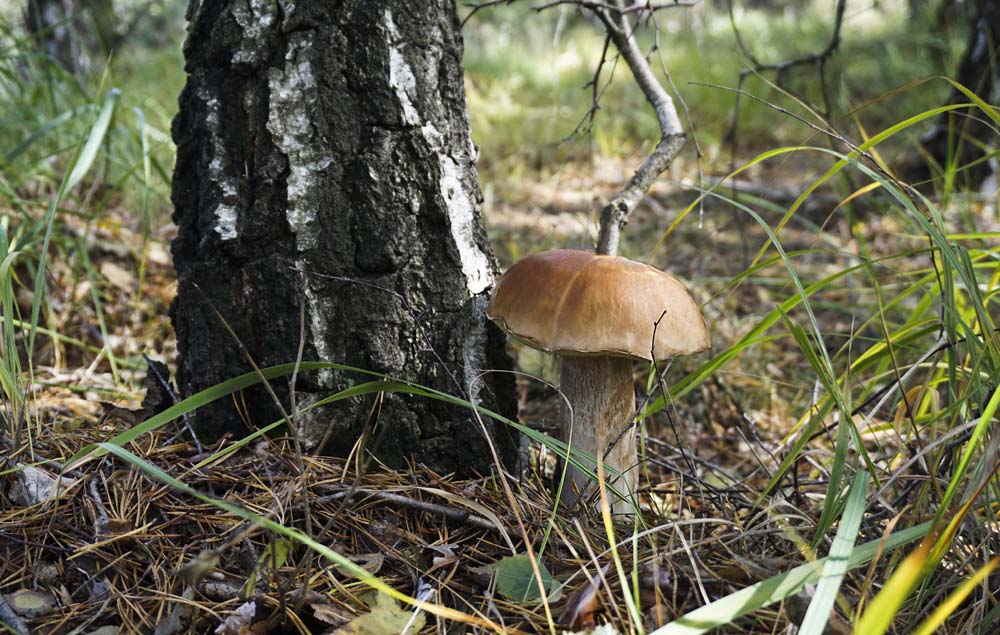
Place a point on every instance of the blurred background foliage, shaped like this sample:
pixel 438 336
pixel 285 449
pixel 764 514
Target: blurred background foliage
pixel 528 73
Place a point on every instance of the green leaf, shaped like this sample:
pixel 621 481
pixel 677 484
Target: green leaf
pixel 516 580
pixel 274 557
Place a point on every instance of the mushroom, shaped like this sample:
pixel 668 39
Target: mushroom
pixel 598 313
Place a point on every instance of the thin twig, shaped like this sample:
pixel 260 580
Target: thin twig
pixel 597 92
pixel 687 116
pixel 638 7
pixel 450 513
pixel 479 6
pixel 614 15
pixel 164 383
pixel 779 68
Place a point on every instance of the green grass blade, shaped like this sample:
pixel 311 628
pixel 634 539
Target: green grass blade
pixel 79 167
pixel 98 309
pixel 835 566
pixel 776 588
pixel 954 600
pixel 44 129
pixel 91 147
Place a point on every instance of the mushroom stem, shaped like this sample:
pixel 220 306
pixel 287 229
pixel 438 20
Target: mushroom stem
pixel 601 404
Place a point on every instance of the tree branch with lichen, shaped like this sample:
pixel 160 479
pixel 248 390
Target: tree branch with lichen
pixel 615 214
pixel 614 15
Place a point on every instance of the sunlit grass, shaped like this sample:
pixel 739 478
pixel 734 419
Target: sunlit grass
pixel 73 154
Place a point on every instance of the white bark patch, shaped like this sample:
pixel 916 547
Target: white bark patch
pixel 320 306
pixel 294 100
pixel 225 213
pixel 461 213
pixel 256 18
pixel 461 209
pixel 401 76
pixel 294 97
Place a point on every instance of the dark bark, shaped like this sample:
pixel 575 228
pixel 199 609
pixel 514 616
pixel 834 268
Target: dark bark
pixel 960 135
pixel 52 24
pixel 331 136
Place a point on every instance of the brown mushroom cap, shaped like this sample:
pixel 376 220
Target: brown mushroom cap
pixel 575 302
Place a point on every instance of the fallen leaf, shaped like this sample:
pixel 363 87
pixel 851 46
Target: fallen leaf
pixel 581 607
pixel 385 618
pixel 33 486
pixel 119 276
pixel 327 613
pixel 447 555
pixel 30 604
pixel 516 580
pixel 238 623
pixel 157 254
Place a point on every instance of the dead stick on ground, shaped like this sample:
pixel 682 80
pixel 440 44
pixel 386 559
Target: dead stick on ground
pixel 414 503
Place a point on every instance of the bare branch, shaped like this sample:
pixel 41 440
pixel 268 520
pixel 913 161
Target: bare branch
pixel 779 68
pixel 615 214
pixel 618 9
pixel 614 14
pixel 476 7
pixel 597 92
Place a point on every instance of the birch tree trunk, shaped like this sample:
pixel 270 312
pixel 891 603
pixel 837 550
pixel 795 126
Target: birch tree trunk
pixel 330 137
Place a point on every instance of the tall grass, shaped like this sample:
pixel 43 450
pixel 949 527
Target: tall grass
pixel 920 364
pixel 74 154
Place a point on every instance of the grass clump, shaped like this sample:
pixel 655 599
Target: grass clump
pixel 84 177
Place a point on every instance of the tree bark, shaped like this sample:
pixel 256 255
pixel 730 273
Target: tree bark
pixel 960 134
pixel 330 137
pixel 52 24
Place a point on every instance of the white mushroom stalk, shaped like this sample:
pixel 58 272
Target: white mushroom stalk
pixel 598 313
pixel 600 405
